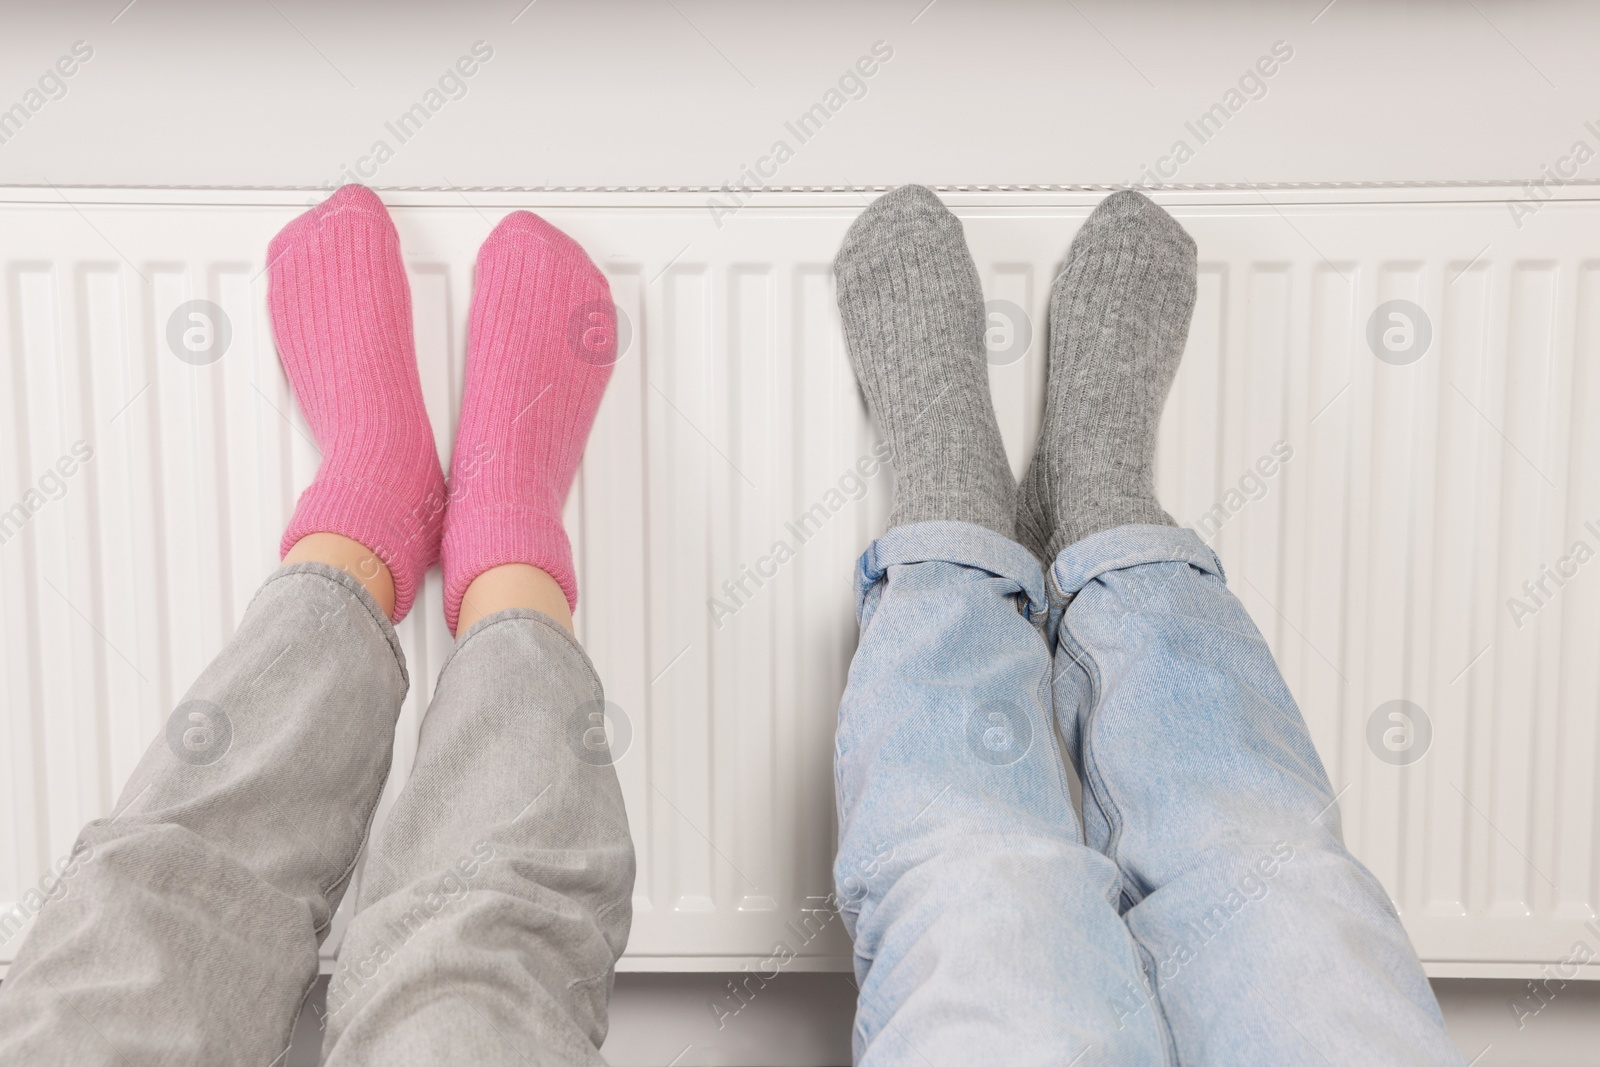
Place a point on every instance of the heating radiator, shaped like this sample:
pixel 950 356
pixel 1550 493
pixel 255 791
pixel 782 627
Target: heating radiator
pixel 1385 423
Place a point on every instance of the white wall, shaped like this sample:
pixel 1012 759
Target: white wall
pixel 185 92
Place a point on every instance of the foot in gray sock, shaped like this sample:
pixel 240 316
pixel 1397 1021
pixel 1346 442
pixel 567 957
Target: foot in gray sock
pixel 1119 315
pixel 913 322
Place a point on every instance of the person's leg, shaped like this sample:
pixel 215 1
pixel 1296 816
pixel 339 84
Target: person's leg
pixel 352 557
pixel 513 585
pixel 985 932
pixel 1271 943
pixel 189 928
pixel 498 895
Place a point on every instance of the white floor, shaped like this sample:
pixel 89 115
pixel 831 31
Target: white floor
pixel 803 1020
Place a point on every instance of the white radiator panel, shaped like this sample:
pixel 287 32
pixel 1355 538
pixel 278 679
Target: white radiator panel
pixel 1378 560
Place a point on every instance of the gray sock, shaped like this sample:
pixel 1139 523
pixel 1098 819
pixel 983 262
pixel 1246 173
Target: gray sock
pixel 913 322
pixel 1119 315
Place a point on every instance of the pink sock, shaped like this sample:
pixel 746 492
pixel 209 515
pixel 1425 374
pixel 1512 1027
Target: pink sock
pixel 542 340
pixel 341 313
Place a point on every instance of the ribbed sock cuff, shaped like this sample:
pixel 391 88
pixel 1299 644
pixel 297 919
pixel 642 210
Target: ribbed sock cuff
pixel 405 539
pixel 497 534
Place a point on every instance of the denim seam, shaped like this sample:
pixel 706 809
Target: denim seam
pixel 1092 777
pixel 295 1019
pixel 1052 726
pixel 366 835
pixel 1096 783
pixel 1056 605
pixel 613 906
pixel 870 568
pixel 1169 1044
pixel 574 983
pixel 1053 593
pixel 351 585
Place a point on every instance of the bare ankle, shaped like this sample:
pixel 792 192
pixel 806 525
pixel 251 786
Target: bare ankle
pixel 352 557
pixel 513 585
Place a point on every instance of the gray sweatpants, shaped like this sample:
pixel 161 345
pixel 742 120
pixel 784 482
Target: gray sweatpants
pixel 495 903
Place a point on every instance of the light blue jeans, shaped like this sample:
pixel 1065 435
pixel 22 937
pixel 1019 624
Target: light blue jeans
pixel 1212 916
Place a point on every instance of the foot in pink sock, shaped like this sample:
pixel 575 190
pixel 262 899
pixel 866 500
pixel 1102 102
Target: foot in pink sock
pixel 341 313
pixel 539 352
